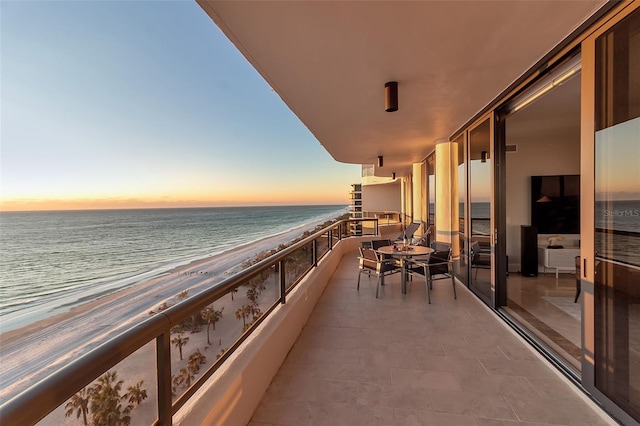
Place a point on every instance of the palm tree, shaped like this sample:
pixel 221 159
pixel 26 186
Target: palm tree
pixel 211 316
pixel 183 377
pixel 79 402
pixel 243 313
pixel 196 359
pixel 222 351
pixel 136 394
pixel 106 407
pixel 180 341
pixel 252 295
pixel 161 308
pixel 183 295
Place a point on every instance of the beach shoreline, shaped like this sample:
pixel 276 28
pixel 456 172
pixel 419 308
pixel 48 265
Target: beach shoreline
pixel 32 352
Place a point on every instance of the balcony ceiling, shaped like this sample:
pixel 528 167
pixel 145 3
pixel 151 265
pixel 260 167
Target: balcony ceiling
pixel 329 60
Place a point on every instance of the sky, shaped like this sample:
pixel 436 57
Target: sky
pixel 139 104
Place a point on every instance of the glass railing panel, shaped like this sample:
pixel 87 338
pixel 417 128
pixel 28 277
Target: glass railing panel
pixel 322 245
pixel 204 335
pixel 250 301
pixel 126 394
pixel 297 264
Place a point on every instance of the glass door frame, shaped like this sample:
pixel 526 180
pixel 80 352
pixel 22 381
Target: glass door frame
pixel 587 209
pixel 494 235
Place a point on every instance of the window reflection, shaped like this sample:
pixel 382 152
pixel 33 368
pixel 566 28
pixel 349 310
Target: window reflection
pixel 617 215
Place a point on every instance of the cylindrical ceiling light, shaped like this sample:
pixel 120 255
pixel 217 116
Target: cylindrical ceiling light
pixel 391 96
pixel 380 162
pixel 483 156
pixel 393 175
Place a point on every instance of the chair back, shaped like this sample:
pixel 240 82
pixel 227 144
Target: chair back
pixel 376 244
pixel 439 246
pixel 439 262
pixel 366 244
pixel 408 231
pixel 475 252
pixel 425 238
pixel 368 259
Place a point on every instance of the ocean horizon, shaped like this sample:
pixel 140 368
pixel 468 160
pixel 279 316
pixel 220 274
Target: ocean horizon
pixel 55 260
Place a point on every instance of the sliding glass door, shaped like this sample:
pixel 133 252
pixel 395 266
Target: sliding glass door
pixel 617 214
pixel 480 223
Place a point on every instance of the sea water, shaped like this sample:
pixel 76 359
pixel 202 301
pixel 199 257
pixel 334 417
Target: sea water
pixel 63 258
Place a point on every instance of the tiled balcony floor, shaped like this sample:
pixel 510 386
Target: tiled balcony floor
pixel 398 361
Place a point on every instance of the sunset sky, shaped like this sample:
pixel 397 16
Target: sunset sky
pixel 145 104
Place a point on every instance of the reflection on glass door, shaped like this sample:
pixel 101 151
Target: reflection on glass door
pixel 431 190
pixel 462 264
pixel 617 215
pixel 480 226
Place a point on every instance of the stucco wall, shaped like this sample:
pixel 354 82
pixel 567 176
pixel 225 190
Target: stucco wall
pixel 383 197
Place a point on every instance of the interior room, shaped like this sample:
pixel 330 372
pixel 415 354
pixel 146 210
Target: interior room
pixel 542 206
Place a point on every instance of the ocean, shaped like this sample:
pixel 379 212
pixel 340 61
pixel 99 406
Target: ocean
pixel 52 261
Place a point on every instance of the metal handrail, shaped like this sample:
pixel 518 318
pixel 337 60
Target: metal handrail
pixel 36 402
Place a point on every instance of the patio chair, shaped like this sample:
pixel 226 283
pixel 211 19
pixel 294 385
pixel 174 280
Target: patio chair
pixel 376 244
pixel 425 239
pixel 372 263
pixel 408 231
pixel 437 267
pixel 479 259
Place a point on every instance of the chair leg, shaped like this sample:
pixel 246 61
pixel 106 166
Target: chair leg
pixel 378 285
pixel 453 282
pixel 427 284
pixel 359 274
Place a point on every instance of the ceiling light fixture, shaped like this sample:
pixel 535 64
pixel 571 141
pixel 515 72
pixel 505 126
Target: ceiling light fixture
pixel 567 71
pixel 483 156
pixel 391 96
pixel 380 161
pixel 393 175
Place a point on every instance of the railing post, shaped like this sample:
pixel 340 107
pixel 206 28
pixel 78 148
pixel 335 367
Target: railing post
pixel 163 371
pixel 330 238
pixel 283 282
pixel 314 252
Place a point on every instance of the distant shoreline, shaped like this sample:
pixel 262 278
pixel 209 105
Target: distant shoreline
pixel 39 302
pixel 34 351
pixel 109 209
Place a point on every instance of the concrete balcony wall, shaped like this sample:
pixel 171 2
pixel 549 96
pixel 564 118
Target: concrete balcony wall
pixel 234 391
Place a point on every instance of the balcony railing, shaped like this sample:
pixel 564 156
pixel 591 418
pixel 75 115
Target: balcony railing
pixel 283 269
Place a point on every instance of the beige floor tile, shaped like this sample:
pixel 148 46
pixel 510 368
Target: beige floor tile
pixel 474 404
pixel 341 414
pixel 424 379
pixel 525 368
pixel 398 360
pixel 404 417
pixel 561 412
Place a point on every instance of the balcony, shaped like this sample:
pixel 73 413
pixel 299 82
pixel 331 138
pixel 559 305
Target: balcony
pixel 398 360
pixel 334 355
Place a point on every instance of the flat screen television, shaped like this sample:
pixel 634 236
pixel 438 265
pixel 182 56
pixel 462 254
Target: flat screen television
pixel 555 204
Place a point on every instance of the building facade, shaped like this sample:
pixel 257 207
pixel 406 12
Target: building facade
pixel 516 139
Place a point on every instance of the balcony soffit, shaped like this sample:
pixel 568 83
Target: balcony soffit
pixel 329 61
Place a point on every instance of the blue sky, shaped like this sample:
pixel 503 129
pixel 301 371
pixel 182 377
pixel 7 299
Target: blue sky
pixel 143 104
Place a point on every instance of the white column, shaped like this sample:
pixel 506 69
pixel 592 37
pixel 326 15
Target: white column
pixel 418 206
pixel 447 205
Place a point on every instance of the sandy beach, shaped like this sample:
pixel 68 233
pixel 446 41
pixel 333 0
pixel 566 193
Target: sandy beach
pixel 32 352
